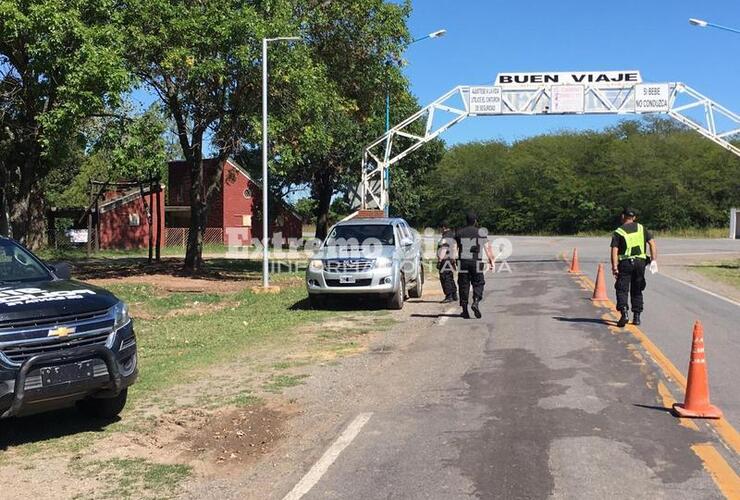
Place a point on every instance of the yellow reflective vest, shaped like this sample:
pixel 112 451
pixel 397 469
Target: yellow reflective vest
pixel 635 243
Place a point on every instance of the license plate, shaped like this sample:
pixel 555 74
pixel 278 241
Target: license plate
pixel 64 374
pixel 346 279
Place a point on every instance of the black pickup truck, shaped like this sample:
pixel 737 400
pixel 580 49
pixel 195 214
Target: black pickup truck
pixel 61 341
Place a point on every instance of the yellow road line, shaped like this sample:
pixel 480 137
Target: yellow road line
pixel 727 432
pixel 727 481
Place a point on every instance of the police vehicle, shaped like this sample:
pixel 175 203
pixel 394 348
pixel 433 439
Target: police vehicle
pixel 61 341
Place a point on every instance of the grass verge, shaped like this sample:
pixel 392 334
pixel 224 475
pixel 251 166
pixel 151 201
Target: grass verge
pixel 132 477
pixel 727 271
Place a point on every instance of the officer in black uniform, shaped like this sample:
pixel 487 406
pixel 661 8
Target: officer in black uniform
pixel 629 259
pixel 472 246
pixel 446 264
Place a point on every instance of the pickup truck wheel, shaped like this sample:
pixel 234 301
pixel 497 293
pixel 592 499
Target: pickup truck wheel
pixel 396 300
pixel 416 291
pixel 106 408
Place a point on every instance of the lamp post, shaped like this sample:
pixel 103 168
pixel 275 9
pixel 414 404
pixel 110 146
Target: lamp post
pixel 433 34
pixel 265 218
pixel 706 24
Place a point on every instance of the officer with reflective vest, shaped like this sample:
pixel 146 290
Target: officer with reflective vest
pixel 629 260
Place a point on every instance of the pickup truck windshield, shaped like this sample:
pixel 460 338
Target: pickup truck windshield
pixel 356 234
pixel 18 265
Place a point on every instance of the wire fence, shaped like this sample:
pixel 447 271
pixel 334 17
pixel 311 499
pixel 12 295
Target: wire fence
pixel 178 236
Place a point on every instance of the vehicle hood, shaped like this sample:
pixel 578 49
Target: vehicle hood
pixel 358 252
pixel 51 298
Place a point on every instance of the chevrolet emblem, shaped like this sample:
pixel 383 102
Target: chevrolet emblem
pixel 62 331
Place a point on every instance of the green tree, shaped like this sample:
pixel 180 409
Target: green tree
pixel 60 63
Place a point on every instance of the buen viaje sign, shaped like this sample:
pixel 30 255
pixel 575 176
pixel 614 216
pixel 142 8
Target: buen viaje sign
pixel 567 91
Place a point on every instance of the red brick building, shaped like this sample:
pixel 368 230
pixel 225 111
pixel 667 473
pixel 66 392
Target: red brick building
pixel 123 220
pixel 235 205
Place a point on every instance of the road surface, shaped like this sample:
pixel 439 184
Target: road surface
pixel 541 398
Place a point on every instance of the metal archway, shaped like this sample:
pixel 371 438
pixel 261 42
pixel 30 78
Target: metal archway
pixel 562 93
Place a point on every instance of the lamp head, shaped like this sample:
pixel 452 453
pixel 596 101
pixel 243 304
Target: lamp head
pixel 698 22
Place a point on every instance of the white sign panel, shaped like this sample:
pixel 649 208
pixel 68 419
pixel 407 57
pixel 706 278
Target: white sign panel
pixel 77 235
pixel 485 100
pixel 601 79
pixel 652 98
pixel 567 99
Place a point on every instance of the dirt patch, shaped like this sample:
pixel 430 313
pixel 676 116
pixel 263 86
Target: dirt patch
pixel 169 283
pixel 236 437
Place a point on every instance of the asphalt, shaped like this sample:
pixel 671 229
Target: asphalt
pixel 539 399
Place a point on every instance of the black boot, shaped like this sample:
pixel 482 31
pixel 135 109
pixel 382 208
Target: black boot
pixel 636 319
pixel 476 309
pixel 448 299
pixel 454 297
pixel 624 319
pixel 465 314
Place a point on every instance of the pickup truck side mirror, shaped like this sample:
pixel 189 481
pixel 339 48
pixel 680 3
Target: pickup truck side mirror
pixel 407 242
pixel 62 270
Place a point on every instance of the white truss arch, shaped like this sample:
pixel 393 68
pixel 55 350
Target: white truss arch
pixel 686 105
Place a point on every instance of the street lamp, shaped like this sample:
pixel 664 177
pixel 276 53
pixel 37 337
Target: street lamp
pixel 265 218
pixel 433 34
pixel 706 24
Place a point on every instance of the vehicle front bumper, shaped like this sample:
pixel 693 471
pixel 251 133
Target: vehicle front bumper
pixel 115 367
pixel 382 281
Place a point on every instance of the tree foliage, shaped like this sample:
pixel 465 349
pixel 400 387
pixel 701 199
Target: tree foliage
pixel 60 63
pixel 569 182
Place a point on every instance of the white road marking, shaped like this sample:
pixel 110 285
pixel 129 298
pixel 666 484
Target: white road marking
pixel 447 316
pixel 329 457
pixel 715 295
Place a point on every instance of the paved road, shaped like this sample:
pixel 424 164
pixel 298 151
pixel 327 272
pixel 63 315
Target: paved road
pixel 672 308
pixel 539 399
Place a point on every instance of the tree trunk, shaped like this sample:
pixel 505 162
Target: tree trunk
pixel 4 220
pixel 198 212
pixel 26 214
pixel 323 188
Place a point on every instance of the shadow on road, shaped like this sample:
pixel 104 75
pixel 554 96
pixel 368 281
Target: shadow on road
pixel 341 303
pixel 654 407
pixel 597 321
pixel 42 427
pixel 440 315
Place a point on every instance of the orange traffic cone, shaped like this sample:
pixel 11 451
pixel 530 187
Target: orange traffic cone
pixel 600 288
pixel 575 267
pixel 696 403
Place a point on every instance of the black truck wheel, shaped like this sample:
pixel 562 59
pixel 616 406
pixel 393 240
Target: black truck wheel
pixel 106 408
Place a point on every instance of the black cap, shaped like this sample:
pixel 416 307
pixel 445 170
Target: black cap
pixel 471 218
pixel 629 212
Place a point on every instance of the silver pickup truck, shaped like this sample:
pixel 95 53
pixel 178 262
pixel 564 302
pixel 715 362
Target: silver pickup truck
pixel 375 257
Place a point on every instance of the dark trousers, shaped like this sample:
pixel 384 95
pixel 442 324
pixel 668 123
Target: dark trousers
pixel 630 282
pixel 469 272
pixel 447 278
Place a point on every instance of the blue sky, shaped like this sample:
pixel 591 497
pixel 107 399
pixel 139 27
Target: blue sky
pixel 485 37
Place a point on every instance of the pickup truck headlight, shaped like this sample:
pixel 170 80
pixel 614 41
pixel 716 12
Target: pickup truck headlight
pixel 316 265
pixel 120 313
pixel 383 263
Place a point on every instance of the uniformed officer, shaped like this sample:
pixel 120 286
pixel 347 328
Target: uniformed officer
pixel 472 247
pixel 629 259
pixel 446 264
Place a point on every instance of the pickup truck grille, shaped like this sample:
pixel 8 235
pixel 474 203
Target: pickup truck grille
pixel 363 282
pixel 17 353
pixel 52 321
pixel 348 265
